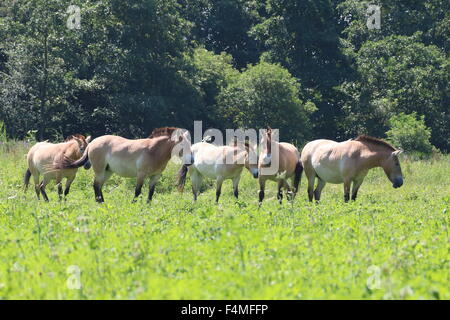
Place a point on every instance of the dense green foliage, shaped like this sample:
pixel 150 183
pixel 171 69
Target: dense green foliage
pixel 389 244
pixel 410 134
pixel 139 64
pixel 266 95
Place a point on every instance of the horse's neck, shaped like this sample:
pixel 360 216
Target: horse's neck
pixel 270 146
pixel 71 149
pixel 374 158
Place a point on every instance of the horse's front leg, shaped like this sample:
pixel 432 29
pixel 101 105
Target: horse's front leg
pixel 196 182
pixel 37 185
pixel 347 190
pixel 219 188
pixel 262 186
pixel 355 188
pixel 138 188
pixel 280 191
pixel 236 186
pixel 153 180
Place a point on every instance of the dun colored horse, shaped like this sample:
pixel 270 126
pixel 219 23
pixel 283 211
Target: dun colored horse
pixel 44 155
pixel 220 163
pixel 348 162
pixel 289 167
pixel 142 158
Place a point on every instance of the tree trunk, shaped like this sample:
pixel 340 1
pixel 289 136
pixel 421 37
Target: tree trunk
pixel 44 90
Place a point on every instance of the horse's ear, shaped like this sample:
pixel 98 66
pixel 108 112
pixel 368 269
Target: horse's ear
pixel 397 152
pixel 78 140
pixel 88 139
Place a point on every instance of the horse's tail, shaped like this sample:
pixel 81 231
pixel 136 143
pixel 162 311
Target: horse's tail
pixel 67 163
pixel 26 179
pixel 182 178
pixel 298 175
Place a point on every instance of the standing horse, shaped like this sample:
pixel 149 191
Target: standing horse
pixel 289 166
pixel 348 162
pixel 142 158
pixel 220 163
pixel 44 155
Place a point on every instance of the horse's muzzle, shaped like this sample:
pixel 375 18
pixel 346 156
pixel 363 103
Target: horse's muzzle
pixel 188 159
pixel 398 182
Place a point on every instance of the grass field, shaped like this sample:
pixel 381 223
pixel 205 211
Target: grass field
pixel 389 244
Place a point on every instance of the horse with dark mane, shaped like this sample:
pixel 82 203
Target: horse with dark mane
pixel 141 158
pixel 348 162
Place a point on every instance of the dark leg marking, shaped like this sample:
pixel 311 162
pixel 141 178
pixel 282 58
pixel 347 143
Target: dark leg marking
pixel 98 193
pixel 44 194
pixel 218 192
pixel 151 192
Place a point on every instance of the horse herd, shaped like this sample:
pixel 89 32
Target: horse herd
pixel 325 160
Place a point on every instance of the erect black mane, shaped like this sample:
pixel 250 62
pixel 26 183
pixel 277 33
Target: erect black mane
pixel 373 140
pixel 164 131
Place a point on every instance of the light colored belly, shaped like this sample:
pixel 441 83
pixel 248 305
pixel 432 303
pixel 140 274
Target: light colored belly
pixel 206 170
pixel 122 168
pixel 329 172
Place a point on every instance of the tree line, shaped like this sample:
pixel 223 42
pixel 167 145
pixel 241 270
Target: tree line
pixel 312 68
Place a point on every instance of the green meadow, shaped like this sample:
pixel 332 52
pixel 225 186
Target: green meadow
pixel 389 244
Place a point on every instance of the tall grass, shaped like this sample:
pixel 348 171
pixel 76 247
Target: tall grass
pixel 389 244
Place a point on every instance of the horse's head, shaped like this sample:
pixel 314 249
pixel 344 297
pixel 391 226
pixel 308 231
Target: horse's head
pixel 391 166
pixel 81 141
pixel 183 145
pixel 251 160
pixel 265 157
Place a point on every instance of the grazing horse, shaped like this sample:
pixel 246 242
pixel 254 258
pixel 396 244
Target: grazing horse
pixel 220 163
pixel 44 155
pixel 348 162
pixel 142 158
pixel 289 166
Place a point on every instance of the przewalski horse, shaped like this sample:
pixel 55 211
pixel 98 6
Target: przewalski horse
pixel 142 158
pixel 44 155
pixel 348 162
pixel 286 160
pixel 220 163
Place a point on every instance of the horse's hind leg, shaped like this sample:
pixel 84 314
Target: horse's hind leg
pixel 311 180
pixel 68 184
pixel 60 189
pixel 320 185
pixel 44 183
pixel 289 193
pixel 99 181
pixel 37 187
pixel 196 181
